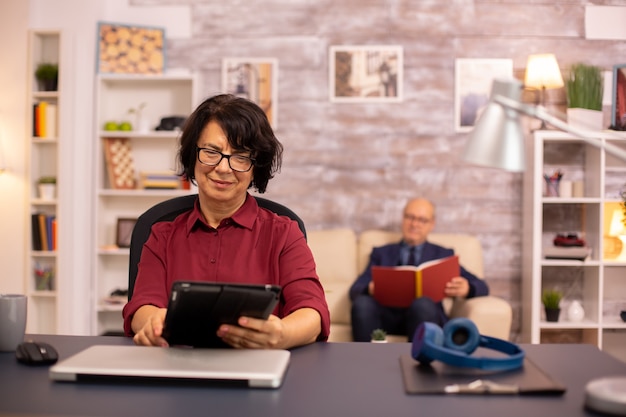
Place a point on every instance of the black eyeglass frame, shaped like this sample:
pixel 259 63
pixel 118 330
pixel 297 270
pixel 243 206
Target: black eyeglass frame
pixel 223 155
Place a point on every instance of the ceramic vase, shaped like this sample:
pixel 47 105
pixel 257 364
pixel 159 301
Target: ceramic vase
pixel 575 311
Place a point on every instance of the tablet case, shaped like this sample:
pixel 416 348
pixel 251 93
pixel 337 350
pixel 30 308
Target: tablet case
pixel 439 378
pixel 197 309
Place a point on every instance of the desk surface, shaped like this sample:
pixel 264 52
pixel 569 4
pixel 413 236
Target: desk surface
pixel 323 379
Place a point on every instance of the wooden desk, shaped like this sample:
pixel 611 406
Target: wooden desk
pixel 323 380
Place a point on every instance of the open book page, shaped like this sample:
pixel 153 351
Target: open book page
pixel 398 286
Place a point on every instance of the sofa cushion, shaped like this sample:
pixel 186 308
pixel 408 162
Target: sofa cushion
pixel 334 251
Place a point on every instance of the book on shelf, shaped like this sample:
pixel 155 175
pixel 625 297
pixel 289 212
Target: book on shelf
pixel 44 120
pixel 398 286
pixel 164 180
pixel 579 253
pixel 44 232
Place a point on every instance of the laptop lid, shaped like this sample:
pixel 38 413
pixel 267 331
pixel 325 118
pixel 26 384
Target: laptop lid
pixel 257 367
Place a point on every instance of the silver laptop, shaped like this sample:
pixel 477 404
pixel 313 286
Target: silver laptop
pixel 257 368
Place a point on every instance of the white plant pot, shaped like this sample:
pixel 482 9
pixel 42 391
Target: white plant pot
pixel 585 119
pixel 47 191
pixel 379 341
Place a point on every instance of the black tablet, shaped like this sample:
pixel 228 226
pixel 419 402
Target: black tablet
pixel 197 309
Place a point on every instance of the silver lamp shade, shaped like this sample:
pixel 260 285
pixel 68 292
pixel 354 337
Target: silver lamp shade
pixel 497 139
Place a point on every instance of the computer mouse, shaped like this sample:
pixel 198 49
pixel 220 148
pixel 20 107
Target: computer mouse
pixel 36 353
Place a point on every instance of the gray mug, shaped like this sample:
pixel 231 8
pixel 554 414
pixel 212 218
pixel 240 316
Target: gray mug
pixel 12 321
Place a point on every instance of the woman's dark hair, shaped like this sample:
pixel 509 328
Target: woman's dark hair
pixel 247 128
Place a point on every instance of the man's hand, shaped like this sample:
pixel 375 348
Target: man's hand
pixel 457 287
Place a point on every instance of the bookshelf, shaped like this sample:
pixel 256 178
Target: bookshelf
pixel 596 282
pixel 44 272
pixel 120 195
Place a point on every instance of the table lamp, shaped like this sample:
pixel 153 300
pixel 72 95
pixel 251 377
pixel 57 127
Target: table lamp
pixel 618 230
pixel 497 139
pixel 542 72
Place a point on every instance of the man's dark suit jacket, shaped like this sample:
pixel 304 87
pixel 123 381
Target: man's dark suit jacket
pixel 389 255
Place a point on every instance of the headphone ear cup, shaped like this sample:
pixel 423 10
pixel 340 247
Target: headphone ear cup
pixel 461 334
pixel 427 336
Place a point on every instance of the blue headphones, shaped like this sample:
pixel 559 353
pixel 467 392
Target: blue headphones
pixel 457 340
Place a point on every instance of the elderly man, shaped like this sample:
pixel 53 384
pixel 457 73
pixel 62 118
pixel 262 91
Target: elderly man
pixel 367 314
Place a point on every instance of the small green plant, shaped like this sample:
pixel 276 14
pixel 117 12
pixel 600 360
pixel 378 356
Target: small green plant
pixel 47 71
pixel 551 298
pixel 584 87
pixel 379 334
pixel 47 180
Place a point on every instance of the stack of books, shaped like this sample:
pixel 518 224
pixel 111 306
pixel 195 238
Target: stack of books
pixel 159 180
pixel 45 120
pixel 44 231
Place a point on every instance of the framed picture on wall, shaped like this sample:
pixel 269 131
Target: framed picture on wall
pixel 255 79
pixel 473 78
pixel 368 73
pixel 618 115
pixel 124 231
pixel 129 49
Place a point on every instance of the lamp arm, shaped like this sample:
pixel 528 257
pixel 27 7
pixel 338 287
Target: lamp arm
pixel 540 113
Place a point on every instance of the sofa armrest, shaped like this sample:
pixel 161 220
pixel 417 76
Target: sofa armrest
pixel 491 314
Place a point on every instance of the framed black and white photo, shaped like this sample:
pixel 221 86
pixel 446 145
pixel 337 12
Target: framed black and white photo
pixel 367 73
pixel 254 79
pixel 124 231
pixel 473 79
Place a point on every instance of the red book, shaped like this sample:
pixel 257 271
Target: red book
pixel 398 286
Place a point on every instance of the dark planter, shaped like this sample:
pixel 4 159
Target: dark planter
pixel 552 314
pixel 48 85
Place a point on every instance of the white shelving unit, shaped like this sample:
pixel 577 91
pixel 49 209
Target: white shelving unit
pixel 599 282
pixel 151 150
pixel 44 151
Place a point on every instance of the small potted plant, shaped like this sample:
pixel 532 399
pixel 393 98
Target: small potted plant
pixel 551 300
pixel 379 336
pixel 47 75
pixel 584 96
pixel 47 187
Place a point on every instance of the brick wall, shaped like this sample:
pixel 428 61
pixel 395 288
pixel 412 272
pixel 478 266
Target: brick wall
pixel 355 165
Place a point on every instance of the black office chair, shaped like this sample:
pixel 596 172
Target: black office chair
pixel 170 209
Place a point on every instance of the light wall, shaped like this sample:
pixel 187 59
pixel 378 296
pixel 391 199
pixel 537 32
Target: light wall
pixel 13 46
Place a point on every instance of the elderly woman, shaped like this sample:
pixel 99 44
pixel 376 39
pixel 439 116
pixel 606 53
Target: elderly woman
pixel 226 147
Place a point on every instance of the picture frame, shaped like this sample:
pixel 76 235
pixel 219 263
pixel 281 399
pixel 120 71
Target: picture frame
pixel 255 79
pixel 366 73
pixel 130 49
pixel 473 79
pixel 124 231
pixel 618 112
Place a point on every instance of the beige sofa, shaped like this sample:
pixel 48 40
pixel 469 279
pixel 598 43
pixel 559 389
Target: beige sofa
pixel 341 255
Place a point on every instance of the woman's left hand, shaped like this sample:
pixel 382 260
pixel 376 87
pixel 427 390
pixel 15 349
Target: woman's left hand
pixel 254 333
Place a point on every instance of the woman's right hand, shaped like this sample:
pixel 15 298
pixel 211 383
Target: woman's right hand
pixel 150 320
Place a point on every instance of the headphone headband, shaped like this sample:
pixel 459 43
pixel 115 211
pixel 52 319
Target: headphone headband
pixel 433 343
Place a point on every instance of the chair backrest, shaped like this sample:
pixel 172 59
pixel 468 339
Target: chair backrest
pixel 168 210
